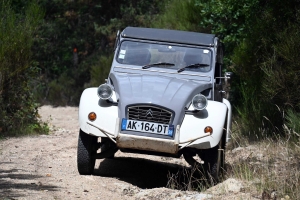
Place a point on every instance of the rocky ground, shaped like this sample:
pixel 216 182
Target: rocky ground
pixel 44 167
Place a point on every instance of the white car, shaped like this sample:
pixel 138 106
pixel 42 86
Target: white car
pixel 163 96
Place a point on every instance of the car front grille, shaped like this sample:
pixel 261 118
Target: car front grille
pixel 149 114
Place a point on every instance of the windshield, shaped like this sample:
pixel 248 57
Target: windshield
pixel 164 56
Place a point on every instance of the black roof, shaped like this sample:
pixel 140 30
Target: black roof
pixel 166 35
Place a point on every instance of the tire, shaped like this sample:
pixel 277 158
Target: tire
pixel 85 150
pixel 212 164
pixel 214 160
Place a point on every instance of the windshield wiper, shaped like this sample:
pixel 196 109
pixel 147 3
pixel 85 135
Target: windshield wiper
pixel 156 64
pixel 192 65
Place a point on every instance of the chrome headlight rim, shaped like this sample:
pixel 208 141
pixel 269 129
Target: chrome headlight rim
pixel 107 87
pixel 204 99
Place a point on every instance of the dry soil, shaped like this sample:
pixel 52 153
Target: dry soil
pixel 44 167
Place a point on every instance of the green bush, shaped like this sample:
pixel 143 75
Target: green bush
pixel 293 120
pixel 91 28
pixel 180 15
pixel 18 109
pixel 100 70
pixel 267 65
pixel 262 49
pixel 282 69
pixel 67 88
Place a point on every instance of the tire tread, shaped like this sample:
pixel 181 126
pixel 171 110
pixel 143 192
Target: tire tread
pixel 85 160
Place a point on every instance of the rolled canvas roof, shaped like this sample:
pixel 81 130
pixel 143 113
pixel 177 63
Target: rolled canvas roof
pixel 174 36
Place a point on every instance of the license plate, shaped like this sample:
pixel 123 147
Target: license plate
pixel 147 127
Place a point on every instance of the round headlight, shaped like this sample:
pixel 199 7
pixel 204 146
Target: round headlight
pixel 199 102
pixel 104 91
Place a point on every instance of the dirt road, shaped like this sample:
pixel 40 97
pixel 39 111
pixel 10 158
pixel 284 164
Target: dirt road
pixel 44 167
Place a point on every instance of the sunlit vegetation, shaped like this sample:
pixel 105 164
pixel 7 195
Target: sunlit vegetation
pixel 18 108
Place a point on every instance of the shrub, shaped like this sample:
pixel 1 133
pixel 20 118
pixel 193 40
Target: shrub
pixel 181 15
pixel 100 70
pixel 17 106
pixel 91 28
pixel 293 121
pixel 282 69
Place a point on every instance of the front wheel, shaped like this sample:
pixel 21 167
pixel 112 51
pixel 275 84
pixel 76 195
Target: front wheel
pixel 213 163
pixel 214 160
pixel 85 151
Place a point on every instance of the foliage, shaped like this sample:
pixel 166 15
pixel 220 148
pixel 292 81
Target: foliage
pixel 293 120
pixel 67 88
pixel 231 20
pixel 18 109
pixel 267 64
pixel 88 26
pixel 72 48
pixel 180 15
pixel 261 48
pixel 99 71
pixel 282 69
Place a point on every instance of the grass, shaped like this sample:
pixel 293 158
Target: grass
pixel 188 179
pixel 265 165
pixel 269 164
pixel 26 128
pixel 35 128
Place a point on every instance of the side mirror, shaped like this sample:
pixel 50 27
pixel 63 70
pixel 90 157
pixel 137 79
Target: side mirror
pixel 228 77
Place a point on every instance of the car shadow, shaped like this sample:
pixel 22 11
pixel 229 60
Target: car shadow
pixel 147 174
pixel 11 183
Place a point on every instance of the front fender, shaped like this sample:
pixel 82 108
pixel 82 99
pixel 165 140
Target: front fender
pixel 193 126
pixel 107 113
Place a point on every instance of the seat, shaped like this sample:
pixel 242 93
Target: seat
pixel 191 57
pixel 195 57
pixel 137 57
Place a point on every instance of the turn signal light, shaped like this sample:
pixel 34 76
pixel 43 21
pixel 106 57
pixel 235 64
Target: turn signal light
pixel 92 116
pixel 208 129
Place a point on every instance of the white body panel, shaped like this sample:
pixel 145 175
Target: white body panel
pixel 106 113
pixel 193 125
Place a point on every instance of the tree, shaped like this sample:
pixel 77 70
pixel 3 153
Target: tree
pixel 91 27
pixel 17 32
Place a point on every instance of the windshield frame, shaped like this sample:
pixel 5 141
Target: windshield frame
pixel 173 47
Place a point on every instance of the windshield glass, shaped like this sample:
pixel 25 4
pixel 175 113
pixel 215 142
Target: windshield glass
pixel 164 56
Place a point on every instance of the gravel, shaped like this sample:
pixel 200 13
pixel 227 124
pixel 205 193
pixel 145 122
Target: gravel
pixel 44 167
